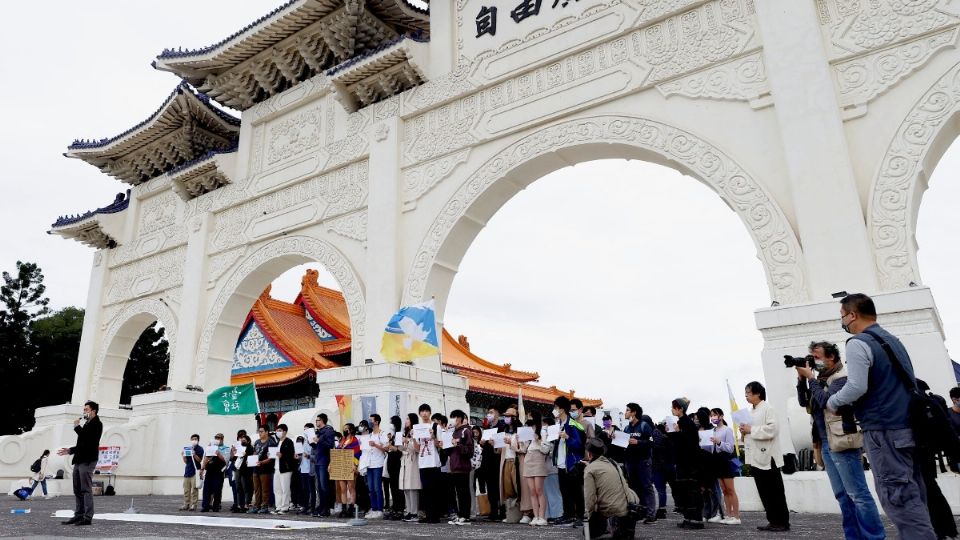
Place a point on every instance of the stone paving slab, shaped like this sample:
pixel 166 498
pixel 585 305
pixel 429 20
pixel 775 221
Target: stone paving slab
pixel 39 523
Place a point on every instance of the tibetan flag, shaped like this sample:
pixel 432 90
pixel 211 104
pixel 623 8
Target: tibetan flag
pixel 240 399
pixel 411 334
pixel 345 407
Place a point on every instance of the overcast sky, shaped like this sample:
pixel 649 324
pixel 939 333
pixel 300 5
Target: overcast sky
pixel 625 280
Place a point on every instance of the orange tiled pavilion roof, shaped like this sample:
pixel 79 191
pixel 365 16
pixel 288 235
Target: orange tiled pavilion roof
pixel 286 326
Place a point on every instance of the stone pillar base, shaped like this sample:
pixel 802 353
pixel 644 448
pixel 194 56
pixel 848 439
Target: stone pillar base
pixel 910 314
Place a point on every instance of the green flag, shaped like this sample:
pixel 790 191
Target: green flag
pixel 240 399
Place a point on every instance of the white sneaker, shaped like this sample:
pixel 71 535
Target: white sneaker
pixel 715 519
pixel 48 496
pixel 538 522
pixel 453 521
pixel 375 515
pixel 525 520
pixel 462 521
pixel 730 520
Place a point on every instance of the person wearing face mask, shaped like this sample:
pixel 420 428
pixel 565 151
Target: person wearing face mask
pixel 212 472
pixel 606 432
pixel 568 451
pixel 879 372
pixel 509 480
pixel 842 458
pixel 551 484
pixel 761 443
pixel 686 487
pixel 490 465
pixel 724 447
pixel 263 473
pixel 191 493
pixel 85 455
pixel 637 458
pixel 287 463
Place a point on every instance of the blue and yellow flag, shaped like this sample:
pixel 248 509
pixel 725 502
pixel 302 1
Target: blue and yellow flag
pixel 411 334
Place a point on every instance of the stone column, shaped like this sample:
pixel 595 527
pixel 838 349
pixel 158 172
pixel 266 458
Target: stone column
pixel 382 279
pixel 443 47
pixel 829 217
pixel 192 309
pixel 92 328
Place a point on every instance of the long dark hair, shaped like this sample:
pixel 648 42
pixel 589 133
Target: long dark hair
pixel 349 430
pixel 535 421
pixel 703 418
pixel 395 422
pixel 719 412
pixel 414 420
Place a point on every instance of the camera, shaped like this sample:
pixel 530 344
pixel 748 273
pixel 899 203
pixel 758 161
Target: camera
pixel 796 361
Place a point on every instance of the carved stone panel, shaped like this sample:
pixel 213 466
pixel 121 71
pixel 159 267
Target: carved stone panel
pixel 146 276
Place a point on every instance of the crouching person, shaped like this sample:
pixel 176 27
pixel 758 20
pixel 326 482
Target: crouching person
pixel 608 500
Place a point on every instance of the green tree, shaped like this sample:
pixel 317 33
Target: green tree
pixel 148 365
pixel 22 301
pixel 56 339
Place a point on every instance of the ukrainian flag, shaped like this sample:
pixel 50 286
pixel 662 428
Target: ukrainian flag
pixel 411 334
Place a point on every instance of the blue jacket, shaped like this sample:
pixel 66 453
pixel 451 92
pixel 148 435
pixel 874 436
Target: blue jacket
pixel 576 443
pixel 321 451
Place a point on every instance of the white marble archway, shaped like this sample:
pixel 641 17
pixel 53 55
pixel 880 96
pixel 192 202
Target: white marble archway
pixel 118 340
pixel 240 288
pixel 521 162
pixel 926 132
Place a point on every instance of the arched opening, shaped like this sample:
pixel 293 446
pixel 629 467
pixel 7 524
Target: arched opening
pixel 277 341
pixel 938 251
pixel 653 280
pixel 138 321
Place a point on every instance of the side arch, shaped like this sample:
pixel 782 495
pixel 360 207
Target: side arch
pixel 245 284
pixel 598 137
pixel 118 340
pixel 921 140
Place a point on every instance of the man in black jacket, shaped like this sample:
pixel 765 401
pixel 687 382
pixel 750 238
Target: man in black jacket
pixel 85 456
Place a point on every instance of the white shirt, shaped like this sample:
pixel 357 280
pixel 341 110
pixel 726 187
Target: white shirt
pixel 376 458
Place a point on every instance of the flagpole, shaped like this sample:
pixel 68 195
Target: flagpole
pixel 443 388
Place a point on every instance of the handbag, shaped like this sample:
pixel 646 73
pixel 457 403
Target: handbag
pixel 839 440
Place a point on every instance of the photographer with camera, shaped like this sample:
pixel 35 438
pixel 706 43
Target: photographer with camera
pixel 841 441
pixel 881 387
pixel 607 496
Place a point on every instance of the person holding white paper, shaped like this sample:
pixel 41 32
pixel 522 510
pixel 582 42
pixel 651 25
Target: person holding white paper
pixel 431 494
pixel 459 462
pixel 263 474
pixel 410 470
pixel 308 473
pixel 686 447
pixel 638 458
pixel 191 493
pixel 724 451
pixel 286 457
pixel 761 442
pixel 244 474
pixel 534 468
pixel 377 441
pixel 214 463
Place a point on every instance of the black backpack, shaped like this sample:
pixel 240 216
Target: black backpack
pixel 928 419
pixel 36 466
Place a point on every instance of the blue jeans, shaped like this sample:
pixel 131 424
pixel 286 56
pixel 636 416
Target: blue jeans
pixel 551 488
pixel 861 520
pixel 324 494
pixel 375 485
pixel 43 485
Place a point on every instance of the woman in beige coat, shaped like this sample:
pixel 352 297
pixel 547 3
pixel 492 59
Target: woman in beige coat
pixel 410 470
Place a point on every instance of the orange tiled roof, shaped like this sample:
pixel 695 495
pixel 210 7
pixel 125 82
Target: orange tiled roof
pixel 456 354
pixel 273 377
pixel 287 327
pixel 492 385
pixel 326 305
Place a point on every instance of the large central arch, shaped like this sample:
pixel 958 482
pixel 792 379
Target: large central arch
pixel 244 286
pixel 597 137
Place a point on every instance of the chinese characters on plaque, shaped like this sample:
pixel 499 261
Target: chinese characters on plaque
pixel 487 17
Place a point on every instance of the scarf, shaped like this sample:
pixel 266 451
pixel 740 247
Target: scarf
pixel 828 372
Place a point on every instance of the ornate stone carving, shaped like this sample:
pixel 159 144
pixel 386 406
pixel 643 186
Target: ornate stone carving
pixel 158 212
pixel 743 79
pixel 864 78
pixel 381 132
pixel 221 262
pixel 776 242
pixel 294 135
pixel 353 226
pixel 146 276
pixel 901 180
pixel 318 250
pixel 339 191
pixel 859 26
pixel 418 180
pixel 678 45
pixel 152 306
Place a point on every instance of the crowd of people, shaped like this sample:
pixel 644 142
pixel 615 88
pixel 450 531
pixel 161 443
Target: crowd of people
pixel 570 468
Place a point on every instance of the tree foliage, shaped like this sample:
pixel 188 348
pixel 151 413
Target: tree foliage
pixel 38 351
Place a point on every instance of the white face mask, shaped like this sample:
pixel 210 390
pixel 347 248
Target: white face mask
pixel 556 413
pixel 281 434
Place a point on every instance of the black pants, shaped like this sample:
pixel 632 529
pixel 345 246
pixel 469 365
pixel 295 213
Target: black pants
pixel 491 477
pixel 461 484
pixel 396 494
pixel 770 488
pixel 941 517
pixel 308 491
pixel 212 490
pixel 688 498
pixel 571 488
pixel 432 496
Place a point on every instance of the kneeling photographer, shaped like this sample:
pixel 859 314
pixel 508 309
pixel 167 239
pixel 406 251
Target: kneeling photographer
pixel 842 442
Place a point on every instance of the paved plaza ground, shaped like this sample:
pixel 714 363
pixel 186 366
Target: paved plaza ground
pixel 39 523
